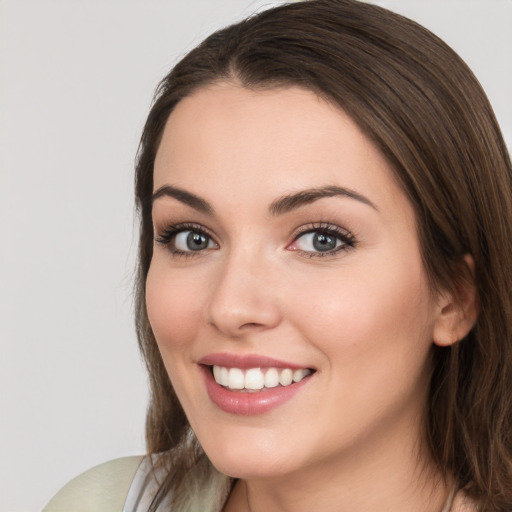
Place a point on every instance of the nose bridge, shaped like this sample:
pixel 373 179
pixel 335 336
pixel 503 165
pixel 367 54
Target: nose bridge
pixel 243 298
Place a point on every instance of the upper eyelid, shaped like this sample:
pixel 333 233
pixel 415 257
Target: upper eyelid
pixel 184 226
pixel 305 228
pixel 327 227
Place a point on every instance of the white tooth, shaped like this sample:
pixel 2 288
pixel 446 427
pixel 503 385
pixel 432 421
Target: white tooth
pixel 254 379
pixel 216 373
pixel 271 378
pixel 224 376
pixel 236 378
pixel 298 375
pixel 286 377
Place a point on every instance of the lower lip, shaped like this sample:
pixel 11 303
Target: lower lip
pixel 248 403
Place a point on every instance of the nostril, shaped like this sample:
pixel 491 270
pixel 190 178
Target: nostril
pixel 249 325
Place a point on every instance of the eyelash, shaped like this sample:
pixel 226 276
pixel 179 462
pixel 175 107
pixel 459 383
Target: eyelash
pixel 348 240
pixel 167 237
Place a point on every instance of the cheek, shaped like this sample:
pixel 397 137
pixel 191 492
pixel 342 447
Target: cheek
pixel 367 315
pixel 173 308
pixel 374 334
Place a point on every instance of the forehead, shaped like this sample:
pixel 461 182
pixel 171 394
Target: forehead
pixel 227 139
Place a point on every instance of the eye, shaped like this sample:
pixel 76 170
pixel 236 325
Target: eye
pixel 192 241
pixel 322 241
pixel 317 241
pixel 185 240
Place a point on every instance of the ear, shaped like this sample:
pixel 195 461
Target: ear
pixel 457 312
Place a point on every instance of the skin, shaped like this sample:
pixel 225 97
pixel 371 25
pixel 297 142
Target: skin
pixel 364 318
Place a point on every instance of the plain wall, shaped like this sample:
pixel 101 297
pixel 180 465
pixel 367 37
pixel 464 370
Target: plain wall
pixel 76 82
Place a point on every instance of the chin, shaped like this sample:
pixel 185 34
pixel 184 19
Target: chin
pixel 249 459
pixel 249 469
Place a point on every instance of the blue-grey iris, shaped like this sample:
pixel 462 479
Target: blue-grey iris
pixel 197 241
pixel 324 242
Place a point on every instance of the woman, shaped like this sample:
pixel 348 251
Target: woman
pixel 324 285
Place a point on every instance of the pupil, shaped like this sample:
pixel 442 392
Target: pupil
pixel 196 241
pixel 323 242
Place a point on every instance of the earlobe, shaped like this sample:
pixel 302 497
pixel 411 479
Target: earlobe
pixel 458 311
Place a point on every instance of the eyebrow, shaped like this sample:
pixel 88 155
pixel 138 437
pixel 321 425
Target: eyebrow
pixel 185 197
pixel 303 197
pixel 280 206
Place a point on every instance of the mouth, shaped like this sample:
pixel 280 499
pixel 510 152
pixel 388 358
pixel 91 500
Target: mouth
pixel 257 379
pixel 252 384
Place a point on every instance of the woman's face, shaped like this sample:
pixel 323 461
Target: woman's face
pixel 284 248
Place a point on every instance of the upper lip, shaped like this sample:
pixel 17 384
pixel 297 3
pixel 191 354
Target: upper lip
pixel 246 361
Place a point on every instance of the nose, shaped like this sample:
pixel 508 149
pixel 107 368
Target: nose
pixel 244 298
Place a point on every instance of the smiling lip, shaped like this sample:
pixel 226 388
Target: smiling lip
pixel 244 402
pixel 244 362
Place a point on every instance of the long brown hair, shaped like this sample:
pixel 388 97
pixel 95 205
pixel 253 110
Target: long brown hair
pixel 426 112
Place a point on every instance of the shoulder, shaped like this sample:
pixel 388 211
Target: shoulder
pixel 102 488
